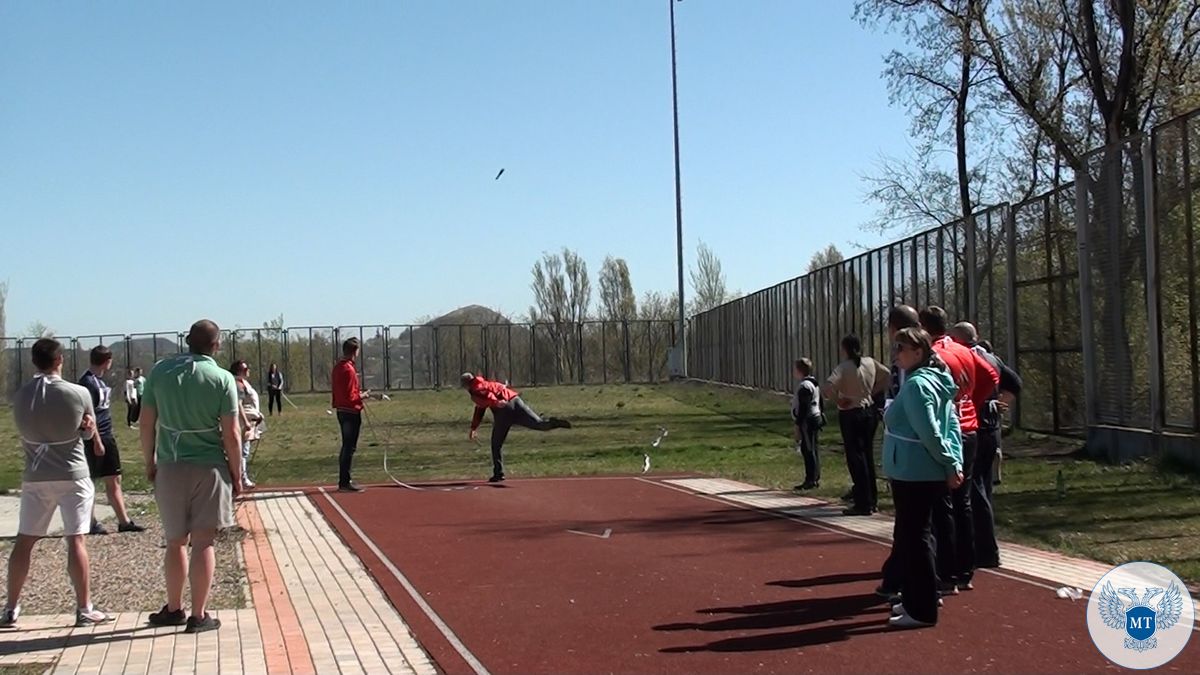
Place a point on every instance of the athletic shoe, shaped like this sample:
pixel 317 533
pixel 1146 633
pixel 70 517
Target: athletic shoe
pixel 898 608
pixel 202 625
pixel 804 486
pixel 9 618
pixel 130 527
pixel 350 487
pixel 167 617
pixel 247 483
pixel 97 528
pixel 496 479
pixel 91 617
pixel 855 511
pixel 903 620
pixel 946 588
pixel 885 593
pixel 966 586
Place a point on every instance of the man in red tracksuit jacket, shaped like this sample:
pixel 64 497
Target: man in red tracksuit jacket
pixel 348 403
pixel 507 410
pixel 954 524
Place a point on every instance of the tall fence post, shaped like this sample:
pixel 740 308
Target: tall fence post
pixel 1083 182
pixel 1153 307
pixel 1010 315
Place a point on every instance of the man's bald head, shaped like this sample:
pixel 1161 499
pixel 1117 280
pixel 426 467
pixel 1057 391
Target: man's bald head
pixel 901 317
pixel 964 332
pixel 204 337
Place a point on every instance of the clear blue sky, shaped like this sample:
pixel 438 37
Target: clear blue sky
pixel 334 162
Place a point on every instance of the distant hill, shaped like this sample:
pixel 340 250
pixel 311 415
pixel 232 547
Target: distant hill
pixel 471 315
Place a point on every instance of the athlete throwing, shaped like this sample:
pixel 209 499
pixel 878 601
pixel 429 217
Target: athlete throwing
pixel 508 410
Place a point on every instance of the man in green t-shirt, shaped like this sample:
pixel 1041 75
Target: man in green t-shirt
pixel 191 444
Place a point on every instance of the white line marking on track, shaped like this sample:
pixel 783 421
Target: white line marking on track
pixel 607 533
pixel 411 590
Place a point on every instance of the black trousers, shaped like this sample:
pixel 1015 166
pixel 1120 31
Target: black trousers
pixel 987 553
pixel 132 412
pixel 808 431
pixel 858 438
pixel 913 545
pixel 513 413
pixel 350 425
pixel 274 398
pixel 964 520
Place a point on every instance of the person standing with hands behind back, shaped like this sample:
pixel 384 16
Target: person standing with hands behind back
pixel 922 455
pixel 855 383
pixel 274 390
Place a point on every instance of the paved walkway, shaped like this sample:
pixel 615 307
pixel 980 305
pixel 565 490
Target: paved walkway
pixel 315 609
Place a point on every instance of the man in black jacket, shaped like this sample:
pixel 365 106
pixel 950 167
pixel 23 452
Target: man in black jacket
pixel 987 553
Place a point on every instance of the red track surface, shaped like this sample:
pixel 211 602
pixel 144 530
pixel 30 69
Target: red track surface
pixel 683 584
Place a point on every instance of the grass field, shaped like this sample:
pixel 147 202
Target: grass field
pixel 1111 513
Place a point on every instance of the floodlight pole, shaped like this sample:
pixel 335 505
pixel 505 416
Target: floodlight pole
pixel 681 338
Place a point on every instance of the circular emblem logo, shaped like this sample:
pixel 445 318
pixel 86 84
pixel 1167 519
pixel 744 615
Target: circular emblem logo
pixel 1140 615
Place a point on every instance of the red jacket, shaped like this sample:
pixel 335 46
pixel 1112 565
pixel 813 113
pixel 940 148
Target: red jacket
pixel 346 395
pixel 487 394
pixel 976 378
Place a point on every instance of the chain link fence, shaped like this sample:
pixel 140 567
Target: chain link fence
pixel 393 357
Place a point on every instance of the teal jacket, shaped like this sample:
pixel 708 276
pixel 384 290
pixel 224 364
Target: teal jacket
pixel 922 440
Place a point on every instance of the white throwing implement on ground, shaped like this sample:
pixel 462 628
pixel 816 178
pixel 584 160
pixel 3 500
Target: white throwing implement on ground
pixel 662 433
pixel 646 464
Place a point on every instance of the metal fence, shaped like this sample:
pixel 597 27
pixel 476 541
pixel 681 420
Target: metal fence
pixel 394 357
pixel 1090 289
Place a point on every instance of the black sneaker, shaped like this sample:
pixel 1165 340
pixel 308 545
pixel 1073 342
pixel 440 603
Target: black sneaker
pixel 167 617
pixel 198 625
pixel 97 528
pixel 496 479
pixel 350 487
pixel 884 592
pixel 9 618
pixel 130 527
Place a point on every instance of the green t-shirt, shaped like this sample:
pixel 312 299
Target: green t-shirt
pixel 140 385
pixel 191 393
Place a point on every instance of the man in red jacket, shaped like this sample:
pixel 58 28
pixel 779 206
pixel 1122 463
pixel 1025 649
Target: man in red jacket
pixel 977 382
pixel 507 410
pixel 348 402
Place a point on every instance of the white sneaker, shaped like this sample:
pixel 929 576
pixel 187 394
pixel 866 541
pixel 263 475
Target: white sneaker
pixel 903 620
pixel 9 618
pixel 247 483
pixel 91 617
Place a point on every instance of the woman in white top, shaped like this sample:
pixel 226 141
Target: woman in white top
pixel 855 384
pixel 251 416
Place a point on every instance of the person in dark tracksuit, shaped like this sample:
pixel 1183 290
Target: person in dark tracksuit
pixel 808 418
pixel 987 553
pixel 508 410
pixel 899 318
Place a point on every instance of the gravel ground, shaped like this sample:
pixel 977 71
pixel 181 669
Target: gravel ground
pixel 126 569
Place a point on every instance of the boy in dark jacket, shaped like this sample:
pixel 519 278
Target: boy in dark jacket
pixel 808 418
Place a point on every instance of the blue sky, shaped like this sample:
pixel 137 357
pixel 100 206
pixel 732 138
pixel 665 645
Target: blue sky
pixel 334 162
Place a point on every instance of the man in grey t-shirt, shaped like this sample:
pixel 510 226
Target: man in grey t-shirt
pixel 57 424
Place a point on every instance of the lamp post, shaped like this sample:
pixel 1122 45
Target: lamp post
pixel 681 339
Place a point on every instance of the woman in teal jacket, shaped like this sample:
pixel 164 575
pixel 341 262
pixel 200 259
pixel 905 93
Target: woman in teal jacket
pixel 922 455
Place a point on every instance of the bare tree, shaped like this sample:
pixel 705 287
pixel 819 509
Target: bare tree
pixel 825 257
pixel 562 294
pixel 617 301
pixel 37 329
pixel 708 281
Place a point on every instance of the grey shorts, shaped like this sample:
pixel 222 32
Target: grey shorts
pixel 193 498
